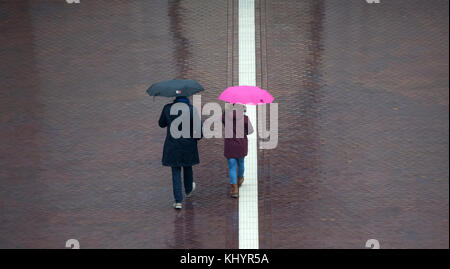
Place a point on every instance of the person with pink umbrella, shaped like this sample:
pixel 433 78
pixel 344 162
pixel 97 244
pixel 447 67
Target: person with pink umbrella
pixel 236 145
pixel 237 127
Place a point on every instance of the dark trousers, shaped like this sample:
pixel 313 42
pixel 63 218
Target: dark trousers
pixel 176 180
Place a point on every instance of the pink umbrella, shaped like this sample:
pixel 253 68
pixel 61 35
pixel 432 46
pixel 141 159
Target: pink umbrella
pixel 251 95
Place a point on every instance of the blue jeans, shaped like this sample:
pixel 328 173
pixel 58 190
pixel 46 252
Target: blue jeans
pixel 232 169
pixel 176 181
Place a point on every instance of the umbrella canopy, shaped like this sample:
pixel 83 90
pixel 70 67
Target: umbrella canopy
pixel 251 95
pixel 175 87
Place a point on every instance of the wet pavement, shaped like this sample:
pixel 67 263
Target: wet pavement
pixel 363 130
pixel 363 123
pixel 81 148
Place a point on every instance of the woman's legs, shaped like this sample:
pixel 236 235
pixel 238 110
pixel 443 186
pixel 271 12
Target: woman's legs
pixel 233 177
pixel 232 170
pixel 188 179
pixel 241 168
pixel 176 181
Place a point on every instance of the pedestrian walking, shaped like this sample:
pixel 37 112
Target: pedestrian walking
pixel 179 153
pixel 236 147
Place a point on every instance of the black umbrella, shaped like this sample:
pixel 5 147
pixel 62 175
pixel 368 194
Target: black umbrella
pixel 175 87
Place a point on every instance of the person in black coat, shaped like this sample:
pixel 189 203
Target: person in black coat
pixel 180 152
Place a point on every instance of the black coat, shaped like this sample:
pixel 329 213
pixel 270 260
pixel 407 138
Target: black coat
pixel 178 151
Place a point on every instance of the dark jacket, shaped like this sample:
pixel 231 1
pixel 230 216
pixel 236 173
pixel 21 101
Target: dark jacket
pixel 237 147
pixel 178 151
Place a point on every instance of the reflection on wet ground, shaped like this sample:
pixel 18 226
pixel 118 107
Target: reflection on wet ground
pixel 363 123
pixel 81 151
pixel 363 143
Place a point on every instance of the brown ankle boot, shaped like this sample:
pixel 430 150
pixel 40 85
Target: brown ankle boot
pixel 240 181
pixel 234 190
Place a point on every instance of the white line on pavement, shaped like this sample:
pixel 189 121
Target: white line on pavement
pixel 248 192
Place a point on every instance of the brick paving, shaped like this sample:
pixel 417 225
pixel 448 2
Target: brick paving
pixel 81 148
pixel 363 131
